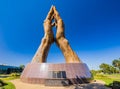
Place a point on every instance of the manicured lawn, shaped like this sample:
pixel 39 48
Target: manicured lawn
pixel 6 85
pixel 6 78
pixel 9 85
pixel 107 78
pixel 9 77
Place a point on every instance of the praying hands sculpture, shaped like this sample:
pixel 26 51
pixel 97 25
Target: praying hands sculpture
pixel 60 40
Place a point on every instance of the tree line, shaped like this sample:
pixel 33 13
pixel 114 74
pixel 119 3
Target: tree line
pixel 12 70
pixel 109 69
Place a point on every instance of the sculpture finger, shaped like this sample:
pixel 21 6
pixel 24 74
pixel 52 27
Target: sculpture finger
pixel 50 14
pixel 56 14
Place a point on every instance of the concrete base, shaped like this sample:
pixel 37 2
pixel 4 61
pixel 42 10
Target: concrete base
pixel 39 73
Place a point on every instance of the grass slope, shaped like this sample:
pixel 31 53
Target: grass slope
pixel 9 85
pixel 107 78
pixel 4 79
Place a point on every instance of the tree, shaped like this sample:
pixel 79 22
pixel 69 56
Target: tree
pixel 116 63
pixel 22 66
pixel 106 68
pixel 8 71
pixel 113 69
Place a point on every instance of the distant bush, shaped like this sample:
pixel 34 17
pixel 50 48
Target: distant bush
pixel 116 85
pixel 14 74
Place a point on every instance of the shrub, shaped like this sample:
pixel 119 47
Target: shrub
pixel 116 85
pixel 14 74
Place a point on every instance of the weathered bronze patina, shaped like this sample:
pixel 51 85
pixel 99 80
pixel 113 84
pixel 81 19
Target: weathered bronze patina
pixel 60 40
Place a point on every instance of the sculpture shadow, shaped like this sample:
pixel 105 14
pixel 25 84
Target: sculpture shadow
pixel 2 83
pixel 90 86
pixel 78 80
pixel 65 83
pixel 114 85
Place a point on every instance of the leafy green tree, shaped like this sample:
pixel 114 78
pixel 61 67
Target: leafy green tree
pixel 113 69
pixel 8 71
pixel 116 63
pixel 22 66
pixel 105 68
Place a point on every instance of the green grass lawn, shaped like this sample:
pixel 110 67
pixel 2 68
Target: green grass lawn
pixel 107 78
pixel 6 78
pixel 9 85
pixel 9 76
pixel 6 85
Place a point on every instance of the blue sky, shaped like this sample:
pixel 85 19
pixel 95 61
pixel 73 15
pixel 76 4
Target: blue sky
pixel 92 28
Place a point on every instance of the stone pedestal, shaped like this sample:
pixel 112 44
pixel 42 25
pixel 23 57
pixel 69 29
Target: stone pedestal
pixel 39 73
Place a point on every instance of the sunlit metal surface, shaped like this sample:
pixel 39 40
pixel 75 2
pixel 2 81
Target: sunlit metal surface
pixel 38 72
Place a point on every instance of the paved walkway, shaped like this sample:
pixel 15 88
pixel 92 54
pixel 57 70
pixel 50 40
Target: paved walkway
pixel 20 85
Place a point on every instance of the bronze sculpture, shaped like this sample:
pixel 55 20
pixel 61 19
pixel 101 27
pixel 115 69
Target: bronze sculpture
pixel 60 40
pixel 39 72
